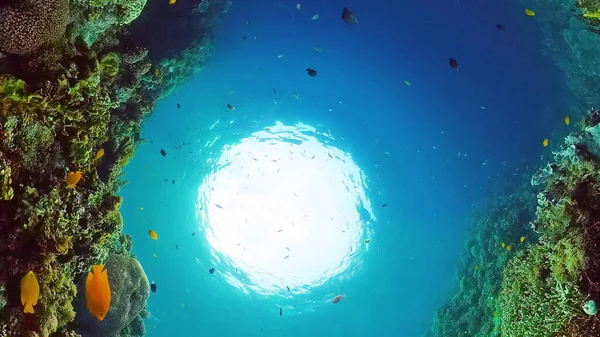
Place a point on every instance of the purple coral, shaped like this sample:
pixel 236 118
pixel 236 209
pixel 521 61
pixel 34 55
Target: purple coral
pixel 27 25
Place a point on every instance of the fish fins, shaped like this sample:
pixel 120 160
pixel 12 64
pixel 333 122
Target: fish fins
pixel 28 308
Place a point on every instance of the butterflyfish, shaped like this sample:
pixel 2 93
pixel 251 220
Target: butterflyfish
pixel 503 245
pixel 567 120
pixel 97 292
pixel 30 292
pixel 153 234
pixel 522 239
pixel 73 178
pixel 529 12
pixel 545 142
pixel 99 154
pixel 509 247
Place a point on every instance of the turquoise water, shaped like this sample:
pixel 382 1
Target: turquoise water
pixel 285 191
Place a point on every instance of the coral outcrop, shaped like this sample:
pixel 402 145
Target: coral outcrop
pixel 129 289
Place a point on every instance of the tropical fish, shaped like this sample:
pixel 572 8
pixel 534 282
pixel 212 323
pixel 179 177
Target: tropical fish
pixel 522 239
pixel 73 178
pixel 477 267
pixel 211 271
pixel 503 245
pixel 298 6
pixel 317 49
pixel 545 142
pixel 529 12
pixel 154 256
pixel 567 120
pixel 230 107
pixel 349 17
pixel 99 154
pixel 453 63
pixel 141 208
pixel 509 247
pixel 97 292
pixel 172 2
pixel 384 205
pixel 279 56
pixel 316 17
pixel 367 240
pixel 500 27
pixel 337 299
pixel 156 72
pixel 153 234
pixel 408 83
pixel 178 105
pixel 311 72
pixel 288 288
pixel 280 311
pixel 30 292
pixel 163 152
pixel 153 287
pixel 296 95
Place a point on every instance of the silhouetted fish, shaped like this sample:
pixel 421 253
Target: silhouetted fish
pixel 153 287
pixel 280 311
pixel 453 63
pixel 163 152
pixel 500 26
pixel 349 17
pixel 311 72
pixel 178 105
pixel 211 271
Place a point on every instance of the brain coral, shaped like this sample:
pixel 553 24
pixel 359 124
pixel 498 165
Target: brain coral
pixel 28 24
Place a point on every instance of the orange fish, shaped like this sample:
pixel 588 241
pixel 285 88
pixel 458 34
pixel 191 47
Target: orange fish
pixel 153 234
pixel 230 107
pixel 97 292
pixel 337 299
pixel 30 292
pixel 73 178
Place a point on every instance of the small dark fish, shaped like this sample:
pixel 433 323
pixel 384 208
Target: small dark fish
pixel 173 182
pixel 384 205
pixel 311 72
pixel 153 287
pixel 178 105
pixel 288 288
pixel 285 258
pixel 244 37
pixel 230 107
pixel 211 271
pixel 280 311
pixel 349 17
pixel 287 249
pixel 259 69
pixel 453 63
pixel 194 234
pixel 219 206
pixel 177 247
pixel 163 152
pixel 500 26
pixel 274 91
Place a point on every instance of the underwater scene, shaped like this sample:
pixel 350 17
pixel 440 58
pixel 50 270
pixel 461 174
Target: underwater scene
pixel 295 168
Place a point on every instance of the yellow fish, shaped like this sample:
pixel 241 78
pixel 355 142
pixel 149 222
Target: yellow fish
pixel 503 245
pixel 476 267
pixel 509 247
pixel 156 72
pixel 99 154
pixel 153 234
pixel 529 12
pixel 73 178
pixel 408 83
pixel 545 142
pixel 522 239
pixel 593 15
pixel 172 2
pixel 30 292
pixel 97 292
pixel 567 120
pixel 141 208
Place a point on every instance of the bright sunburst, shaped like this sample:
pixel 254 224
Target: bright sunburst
pixel 285 210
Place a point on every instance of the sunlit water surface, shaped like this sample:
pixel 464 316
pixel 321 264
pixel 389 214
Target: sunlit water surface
pixel 284 209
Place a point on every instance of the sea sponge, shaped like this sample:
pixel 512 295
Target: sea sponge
pixel 28 25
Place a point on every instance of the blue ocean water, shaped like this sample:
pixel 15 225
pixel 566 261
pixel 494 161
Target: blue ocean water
pixel 288 189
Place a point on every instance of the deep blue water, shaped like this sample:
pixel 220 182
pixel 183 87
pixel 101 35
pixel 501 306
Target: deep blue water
pixel 428 151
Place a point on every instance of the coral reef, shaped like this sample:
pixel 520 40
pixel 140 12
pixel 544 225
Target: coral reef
pixel 75 87
pixel 130 290
pixel 549 286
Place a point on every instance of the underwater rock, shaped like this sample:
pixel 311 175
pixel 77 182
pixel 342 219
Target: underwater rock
pixel 2 297
pixel 129 290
